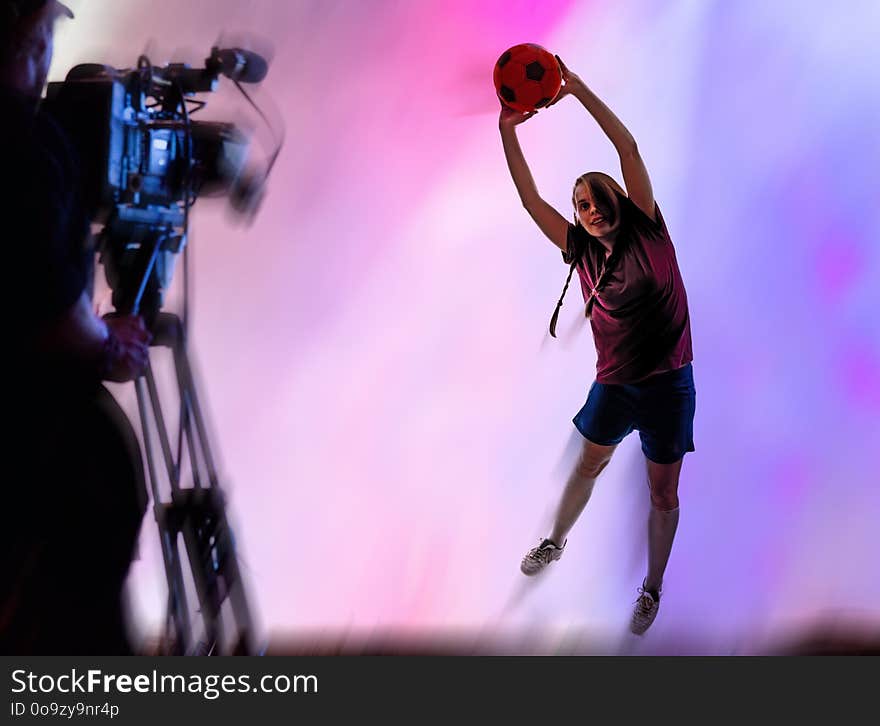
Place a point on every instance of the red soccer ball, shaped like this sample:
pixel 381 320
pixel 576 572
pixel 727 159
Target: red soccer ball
pixel 527 77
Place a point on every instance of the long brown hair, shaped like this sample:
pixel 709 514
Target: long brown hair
pixel 601 188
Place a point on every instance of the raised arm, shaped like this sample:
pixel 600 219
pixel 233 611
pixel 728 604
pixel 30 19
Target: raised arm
pixel 635 175
pixel 550 222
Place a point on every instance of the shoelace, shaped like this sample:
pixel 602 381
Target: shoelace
pixel 541 553
pixel 645 602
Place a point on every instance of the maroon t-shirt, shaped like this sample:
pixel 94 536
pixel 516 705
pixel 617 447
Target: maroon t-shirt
pixel 640 319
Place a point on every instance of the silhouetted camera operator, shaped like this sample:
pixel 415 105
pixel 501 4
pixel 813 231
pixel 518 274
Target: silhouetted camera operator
pixel 73 492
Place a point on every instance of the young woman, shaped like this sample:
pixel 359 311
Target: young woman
pixel 637 306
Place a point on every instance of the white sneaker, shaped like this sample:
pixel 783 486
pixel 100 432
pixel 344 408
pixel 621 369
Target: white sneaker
pixel 541 556
pixel 644 612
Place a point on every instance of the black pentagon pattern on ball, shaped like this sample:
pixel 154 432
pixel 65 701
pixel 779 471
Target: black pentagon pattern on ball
pixel 502 61
pixel 543 102
pixel 534 71
pixel 507 94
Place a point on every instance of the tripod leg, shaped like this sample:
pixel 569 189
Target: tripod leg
pixel 237 598
pixel 186 382
pixel 162 431
pixel 177 601
pixel 182 508
pixel 185 431
pixel 224 544
pixel 169 333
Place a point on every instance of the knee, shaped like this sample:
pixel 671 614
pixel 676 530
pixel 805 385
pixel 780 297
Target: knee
pixel 664 499
pixel 591 468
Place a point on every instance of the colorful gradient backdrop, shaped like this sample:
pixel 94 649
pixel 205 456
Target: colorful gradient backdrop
pixel 392 420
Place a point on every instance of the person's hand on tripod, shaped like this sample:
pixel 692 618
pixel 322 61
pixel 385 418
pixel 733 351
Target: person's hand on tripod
pixel 126 349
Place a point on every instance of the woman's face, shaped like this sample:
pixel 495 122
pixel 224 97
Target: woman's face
pixel 593 215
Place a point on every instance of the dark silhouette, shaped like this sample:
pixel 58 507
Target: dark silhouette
pixel 73 486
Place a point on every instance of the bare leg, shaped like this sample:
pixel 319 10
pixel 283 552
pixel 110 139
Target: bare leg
pixel 591 461
pixel 663 519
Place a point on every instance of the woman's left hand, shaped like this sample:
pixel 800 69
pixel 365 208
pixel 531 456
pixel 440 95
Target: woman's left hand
pixel 571 82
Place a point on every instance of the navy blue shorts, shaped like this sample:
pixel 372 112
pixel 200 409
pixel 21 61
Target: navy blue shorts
pixel 661 408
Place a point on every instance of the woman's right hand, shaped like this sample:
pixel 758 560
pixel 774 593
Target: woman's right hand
pixel 510 118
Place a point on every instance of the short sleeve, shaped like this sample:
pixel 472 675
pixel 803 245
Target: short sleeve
pixel 644 223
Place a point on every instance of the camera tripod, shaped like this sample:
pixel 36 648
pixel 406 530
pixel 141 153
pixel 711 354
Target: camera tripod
pixel 195 513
